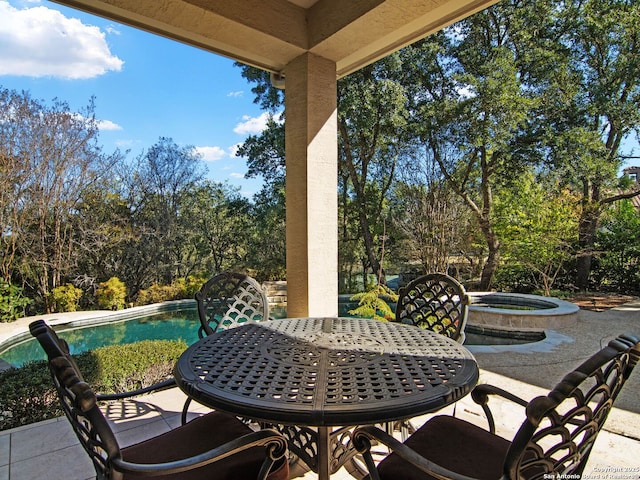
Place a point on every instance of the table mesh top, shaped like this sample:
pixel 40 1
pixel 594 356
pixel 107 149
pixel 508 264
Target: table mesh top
pixel 326 371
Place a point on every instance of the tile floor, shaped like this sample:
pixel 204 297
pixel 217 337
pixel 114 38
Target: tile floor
pixel 22 457
pixel 527 371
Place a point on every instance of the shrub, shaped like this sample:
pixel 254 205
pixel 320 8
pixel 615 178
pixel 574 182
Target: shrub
pixel 119 368
pixel 112 294
pixel 187 288
pixel 155 294
pixel 180 289
pixel 515 278
pixel 28 394
pixel 12 303
pixel 65 298
pixel 374 303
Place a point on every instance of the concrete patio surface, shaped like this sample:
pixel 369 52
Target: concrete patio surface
pixel 49 449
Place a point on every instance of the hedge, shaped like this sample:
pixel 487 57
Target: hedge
pixel 28 395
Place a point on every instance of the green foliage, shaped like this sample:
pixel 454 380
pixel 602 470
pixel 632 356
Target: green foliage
pixel 112 294
pixel 515 278
pixel 156 294
pixel 65 298
pixel 118 368
pixel 538 227
pixel 372 118
pixel 544 83
pixel 619 240
pixel 220 232
pixel 267 240
pixel 12 302
pixel 49 158
pixel 374 303
pixel 187 287
pixel 28 394
pixel 180 289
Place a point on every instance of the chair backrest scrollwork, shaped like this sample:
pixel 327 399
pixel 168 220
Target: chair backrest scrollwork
pixel 230 299
pixel 435 302
pixel 78 402
pixel 560 429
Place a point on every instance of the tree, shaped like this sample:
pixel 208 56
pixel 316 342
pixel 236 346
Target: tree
pixel 538 227
pixel 471 112
pixel 105 231
pixel 265 156
pixel 590 77
pixel 221 224
pixel 49 158
pixel 267 235
pixel 371 119
pixel 163 179
pixel 429 217
pixel 618 244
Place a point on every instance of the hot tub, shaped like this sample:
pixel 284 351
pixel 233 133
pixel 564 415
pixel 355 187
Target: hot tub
pixel 520 312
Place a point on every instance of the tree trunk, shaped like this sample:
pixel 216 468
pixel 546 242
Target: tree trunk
pixel 586 239
pixel 369 247
pixel 493 259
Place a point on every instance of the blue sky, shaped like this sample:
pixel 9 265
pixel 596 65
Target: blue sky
pixel 145 85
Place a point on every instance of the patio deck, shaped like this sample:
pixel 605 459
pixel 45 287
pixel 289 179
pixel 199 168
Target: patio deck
pixel 50 450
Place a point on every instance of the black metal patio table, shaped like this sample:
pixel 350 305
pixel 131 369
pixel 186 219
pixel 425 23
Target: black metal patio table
pixel 326 373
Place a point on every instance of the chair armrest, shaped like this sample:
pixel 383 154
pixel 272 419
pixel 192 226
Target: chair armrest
pixel 276 449
pixel 363 436
pixel 169 383
pixel 480 395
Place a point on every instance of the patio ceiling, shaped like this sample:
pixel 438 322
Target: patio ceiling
pixel 269 34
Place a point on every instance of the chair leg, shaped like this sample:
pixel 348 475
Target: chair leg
pixel 185 410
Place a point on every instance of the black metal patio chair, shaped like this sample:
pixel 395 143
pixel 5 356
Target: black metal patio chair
pixel 214 446
pixel 554 441
pixel 229 299
pixel 436 302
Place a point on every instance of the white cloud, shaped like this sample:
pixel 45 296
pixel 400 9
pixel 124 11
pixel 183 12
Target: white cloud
pixel 233 149
pixel 236 175
pixel 112 30
pixel 239 93
pixel 40 42
pixel 105 125
pixel 211 154
pixel 254 125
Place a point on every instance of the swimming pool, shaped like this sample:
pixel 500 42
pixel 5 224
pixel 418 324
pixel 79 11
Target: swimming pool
pixel 173 325
pixel 176 324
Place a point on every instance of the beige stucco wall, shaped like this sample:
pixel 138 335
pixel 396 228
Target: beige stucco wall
pixel 312 185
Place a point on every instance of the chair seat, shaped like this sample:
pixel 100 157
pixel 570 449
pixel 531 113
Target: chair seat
pixel 554 440
pixel 198 436
pixel 454 444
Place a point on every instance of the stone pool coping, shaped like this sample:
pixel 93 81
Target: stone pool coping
pixel 555 314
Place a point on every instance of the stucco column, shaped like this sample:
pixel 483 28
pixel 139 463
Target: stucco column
pixel 311 186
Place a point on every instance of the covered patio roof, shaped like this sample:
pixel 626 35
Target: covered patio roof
pixel 308 44
pixel 270 34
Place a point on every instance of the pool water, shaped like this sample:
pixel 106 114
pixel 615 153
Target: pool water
pixel 175 325
pixel 478 337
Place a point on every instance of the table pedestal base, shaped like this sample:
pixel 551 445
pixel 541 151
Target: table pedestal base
pixel 323 449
